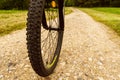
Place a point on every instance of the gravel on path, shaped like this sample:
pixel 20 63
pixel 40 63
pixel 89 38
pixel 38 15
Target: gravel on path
pixel 90 51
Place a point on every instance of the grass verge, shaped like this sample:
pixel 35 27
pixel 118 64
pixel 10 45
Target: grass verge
pixel 12 20
pixel 68 10
pixel 108 16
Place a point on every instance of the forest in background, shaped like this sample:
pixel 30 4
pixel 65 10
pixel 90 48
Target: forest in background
pixel 23 4
pixel 14 4
pixel 93 3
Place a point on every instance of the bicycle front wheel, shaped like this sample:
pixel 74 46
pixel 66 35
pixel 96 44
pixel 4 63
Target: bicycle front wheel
pixel 45 27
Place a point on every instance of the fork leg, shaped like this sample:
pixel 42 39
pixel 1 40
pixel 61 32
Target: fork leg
pixel 61 13
pixel 44 21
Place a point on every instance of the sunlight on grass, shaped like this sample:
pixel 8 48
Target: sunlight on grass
pixel 68 10
pixel 12 20
pixel 108 16
pixel 8 28
pixel 108 10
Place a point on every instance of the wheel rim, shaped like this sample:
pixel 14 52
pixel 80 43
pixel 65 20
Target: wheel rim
pixel 49 38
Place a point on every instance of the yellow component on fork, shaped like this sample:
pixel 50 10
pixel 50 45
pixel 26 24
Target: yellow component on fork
pixel 53 3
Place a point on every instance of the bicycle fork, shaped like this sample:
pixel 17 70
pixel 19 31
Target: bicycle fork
pixel 61 20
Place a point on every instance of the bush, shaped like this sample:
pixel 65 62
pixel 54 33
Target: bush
pixel 115 3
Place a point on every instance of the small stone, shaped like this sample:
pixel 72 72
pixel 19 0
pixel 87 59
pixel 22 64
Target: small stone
pixel 60 78
pixel 2 55
pixel 99 63
pixel 74 62
pixel 80 73
pixel 101 59
pixel 11 64
pixel 79 79
pixel 27 58
pixel 17 41
pixel 10 69
pixel 101 67
pixel 13 53
pixel 63 63
pixel 119 75
pixel 90 59
pixel 27 66
pixel 100 78
pixel 21 65
pixel 15 77
pixel 68 74
pixel 75 77
pixel 113 61
pixel 1 76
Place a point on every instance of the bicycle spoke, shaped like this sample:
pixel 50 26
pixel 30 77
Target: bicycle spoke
pixel 49 49
pixel 49 38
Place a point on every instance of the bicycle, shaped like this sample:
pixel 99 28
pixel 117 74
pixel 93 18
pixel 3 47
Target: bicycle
pixel 45 28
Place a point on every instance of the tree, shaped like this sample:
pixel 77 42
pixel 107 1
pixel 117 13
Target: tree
pixel 115 3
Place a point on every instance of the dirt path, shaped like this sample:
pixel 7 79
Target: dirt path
pixel 90 52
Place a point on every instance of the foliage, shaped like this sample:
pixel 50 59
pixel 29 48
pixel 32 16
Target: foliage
pixel 14 4
pixel 93 3
pixel 115 3
pixel 23 4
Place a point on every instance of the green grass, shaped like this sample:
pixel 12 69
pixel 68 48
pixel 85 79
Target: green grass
pixel 12 20
pixel 108 10
pixel 68 10
pixel 108 16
